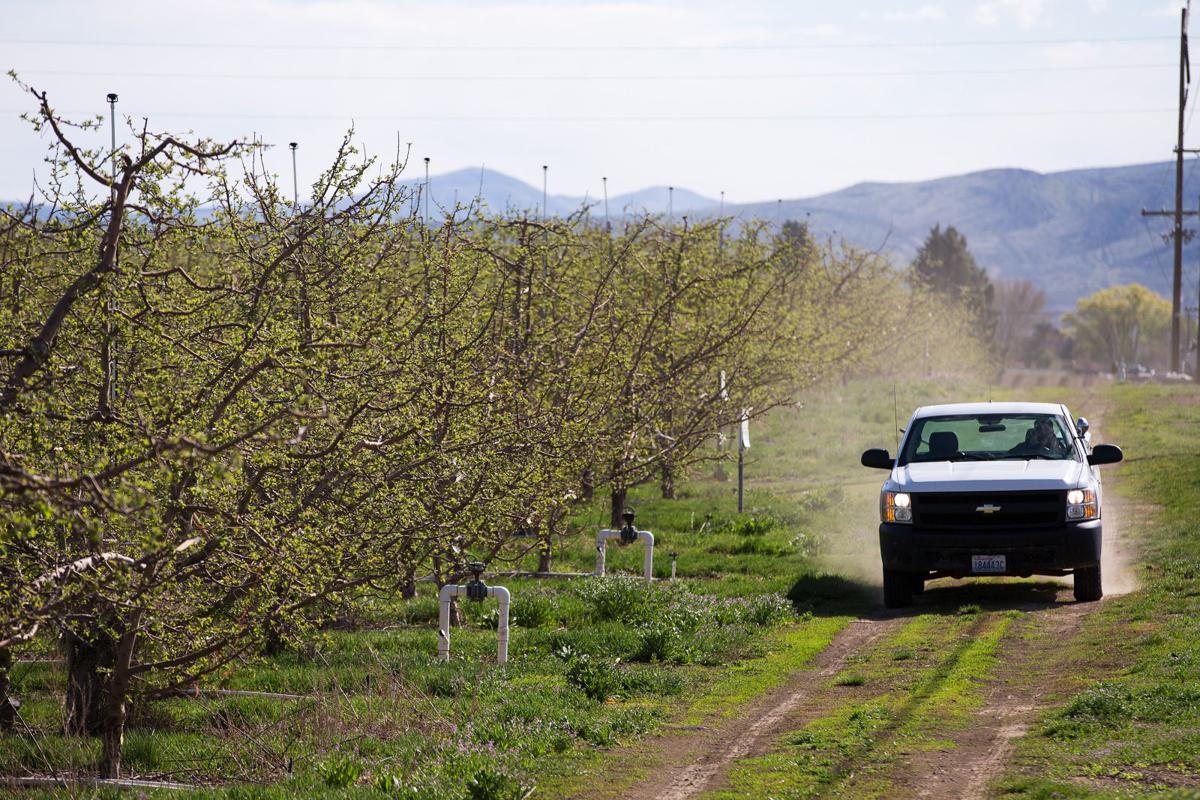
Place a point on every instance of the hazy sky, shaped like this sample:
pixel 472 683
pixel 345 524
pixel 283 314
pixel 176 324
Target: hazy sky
pixel 760 98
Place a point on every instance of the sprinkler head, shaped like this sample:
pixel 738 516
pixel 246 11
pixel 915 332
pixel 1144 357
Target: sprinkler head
pixel 629 533
pixel 293 145
pixel 112 97
pixel 476 589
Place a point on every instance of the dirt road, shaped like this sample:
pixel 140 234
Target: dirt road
pixel 945 690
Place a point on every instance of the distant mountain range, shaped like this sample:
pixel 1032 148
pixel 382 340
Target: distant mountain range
pixel 502 193
pixel 1071 233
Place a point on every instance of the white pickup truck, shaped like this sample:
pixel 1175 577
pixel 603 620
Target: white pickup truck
pixel 991 489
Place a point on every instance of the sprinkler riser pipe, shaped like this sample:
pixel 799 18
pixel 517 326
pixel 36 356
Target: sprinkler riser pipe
pixel 451 591
pixel 604 536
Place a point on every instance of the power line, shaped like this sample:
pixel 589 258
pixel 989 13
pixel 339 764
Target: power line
pixel 409 47
pixel 659 77
pixel 645 119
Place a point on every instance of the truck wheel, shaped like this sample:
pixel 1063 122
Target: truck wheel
pixel 918 583
pixel 1088 588
pixel 897 588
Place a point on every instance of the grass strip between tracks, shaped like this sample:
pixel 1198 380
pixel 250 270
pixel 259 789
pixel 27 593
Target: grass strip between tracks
pixel 929 674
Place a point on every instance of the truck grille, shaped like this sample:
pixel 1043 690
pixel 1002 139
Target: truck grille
pixel 961 510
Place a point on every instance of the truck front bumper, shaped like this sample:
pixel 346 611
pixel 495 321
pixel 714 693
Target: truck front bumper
pixel 1041 551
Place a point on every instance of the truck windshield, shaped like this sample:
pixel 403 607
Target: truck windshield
pixel 988 437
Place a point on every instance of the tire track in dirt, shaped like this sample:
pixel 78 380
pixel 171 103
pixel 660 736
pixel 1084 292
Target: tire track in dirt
pixel 921 684
pixel 694 761
pixel 1024 678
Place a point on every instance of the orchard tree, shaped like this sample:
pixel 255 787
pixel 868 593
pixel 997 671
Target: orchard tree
pixel 174 418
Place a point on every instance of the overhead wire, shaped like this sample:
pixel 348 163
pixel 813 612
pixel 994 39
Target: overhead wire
pixel 644 77
pixel 411 46
pixel 648 118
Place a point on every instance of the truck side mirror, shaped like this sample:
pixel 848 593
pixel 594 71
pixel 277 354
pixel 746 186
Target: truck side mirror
pixel 1105 454
pixel 876 458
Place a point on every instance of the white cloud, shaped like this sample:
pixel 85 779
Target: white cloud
pixel 1026 13
pixel 924 13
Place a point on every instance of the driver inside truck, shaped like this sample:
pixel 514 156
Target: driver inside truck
pixel 1039 437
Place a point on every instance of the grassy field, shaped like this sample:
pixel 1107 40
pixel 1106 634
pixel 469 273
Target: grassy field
pixel 597 665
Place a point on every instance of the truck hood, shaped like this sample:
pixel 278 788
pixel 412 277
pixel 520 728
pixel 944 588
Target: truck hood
pixel 996 476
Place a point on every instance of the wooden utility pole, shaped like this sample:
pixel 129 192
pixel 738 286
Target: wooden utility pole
pixel 1185 77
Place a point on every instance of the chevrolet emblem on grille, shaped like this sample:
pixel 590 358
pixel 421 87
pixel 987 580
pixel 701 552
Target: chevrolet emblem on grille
pixel 988 509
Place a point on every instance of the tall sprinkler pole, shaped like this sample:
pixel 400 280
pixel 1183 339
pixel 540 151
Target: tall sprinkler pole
pixel 426 192
pixel 721 232
pixel 110 391
pixel 545 216
pixel 295 184
pixel 607 221
pixel 112 121
pixel 670 203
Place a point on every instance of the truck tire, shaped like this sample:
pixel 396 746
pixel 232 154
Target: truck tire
pixel 897 588
pixel 1088 588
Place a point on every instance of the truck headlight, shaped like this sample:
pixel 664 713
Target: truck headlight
pixel 895 507
pixel 1082 505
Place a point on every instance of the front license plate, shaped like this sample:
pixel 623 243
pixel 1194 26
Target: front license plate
pixel 989 565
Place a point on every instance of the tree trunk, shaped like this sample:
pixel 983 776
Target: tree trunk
pixel 85 688
pixel 408 589
pixel 115 711
pixel 587 484
pixel 667 481
pixel 545 552
pixel 8 708
pixel 112 734
pixel 618 507
pixel 272 641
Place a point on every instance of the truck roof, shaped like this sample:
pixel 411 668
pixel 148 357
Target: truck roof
pixel 949 409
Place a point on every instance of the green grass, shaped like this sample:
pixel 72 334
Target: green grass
pixel 795 647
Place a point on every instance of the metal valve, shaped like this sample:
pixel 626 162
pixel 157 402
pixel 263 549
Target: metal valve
pixel 629 534
pixel 477 590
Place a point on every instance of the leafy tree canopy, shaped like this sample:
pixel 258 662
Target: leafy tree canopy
pixel 1119 323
